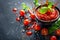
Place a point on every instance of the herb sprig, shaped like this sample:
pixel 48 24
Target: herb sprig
pixel 36 3
pixel 54 27
pixel 25 7
pixel 43 10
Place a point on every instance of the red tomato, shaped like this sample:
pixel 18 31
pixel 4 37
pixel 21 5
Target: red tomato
pixel 37 27
pixel 14 9
pixel 44 31
pixel 53 38
pixel 22 12
pixel 29 33
pixel 32 16
pixel 26 22
pixel 18 19
pixel 58 32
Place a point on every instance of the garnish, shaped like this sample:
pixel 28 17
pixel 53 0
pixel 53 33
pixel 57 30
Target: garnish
pixel 25 7
pixel 55 26
pixel 36 3
pixel 43 10
pixel 50 4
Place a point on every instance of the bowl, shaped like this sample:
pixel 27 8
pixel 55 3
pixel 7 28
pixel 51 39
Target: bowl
pixel 43 22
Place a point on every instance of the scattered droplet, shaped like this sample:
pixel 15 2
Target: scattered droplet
pixel 14 9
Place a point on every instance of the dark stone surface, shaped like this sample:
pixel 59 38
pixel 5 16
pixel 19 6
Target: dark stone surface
pixel 9 28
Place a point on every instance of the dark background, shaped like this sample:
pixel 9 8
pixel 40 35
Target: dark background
pixel 9 28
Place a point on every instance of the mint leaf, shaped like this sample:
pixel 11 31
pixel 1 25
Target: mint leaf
pixel 43 10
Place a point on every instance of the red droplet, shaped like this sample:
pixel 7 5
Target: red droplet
pixel 29 33
pixel 14 9
pixel 53 38
pixel 18 19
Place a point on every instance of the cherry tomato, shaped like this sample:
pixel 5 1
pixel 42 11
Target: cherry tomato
pixel 32 16
pixel 29 33
pixel 44 31
pixel 53 38
pixel 22 12
pixel 37 27
pixel 58 32
pixel 18 19
pixel 26 22
pixel 14 9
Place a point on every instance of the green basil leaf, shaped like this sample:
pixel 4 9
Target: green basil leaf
pixel 54 27
pixel 43 10
pixel 50 4
pixel 25 7
pixel 36 3
pixel 59 19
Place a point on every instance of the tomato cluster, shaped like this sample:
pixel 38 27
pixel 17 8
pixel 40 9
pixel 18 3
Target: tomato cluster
pixel 35 26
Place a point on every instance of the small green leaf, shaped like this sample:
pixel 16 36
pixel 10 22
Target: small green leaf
pixel 59 19
pixel 50 4
pixel 36 3
pixel 25 7
pixel 43 10
pixel 58 22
